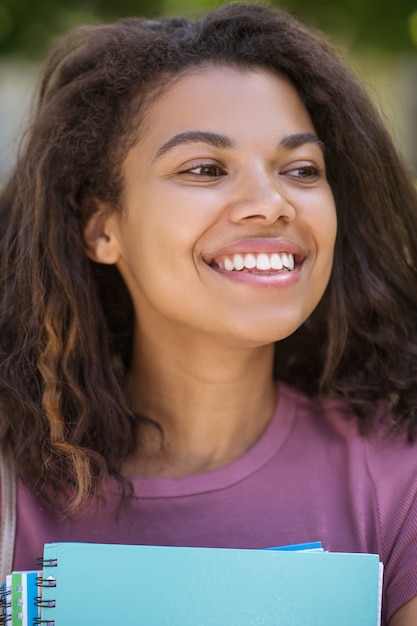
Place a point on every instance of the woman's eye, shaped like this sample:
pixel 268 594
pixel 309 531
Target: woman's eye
pixel 205 170
pixel 303 172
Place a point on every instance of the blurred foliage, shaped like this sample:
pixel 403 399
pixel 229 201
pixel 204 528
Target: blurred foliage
pixel 29 27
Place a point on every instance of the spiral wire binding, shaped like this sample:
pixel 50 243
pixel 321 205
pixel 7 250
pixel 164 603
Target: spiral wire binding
pixel 48 604
pixel 5 603
pixel 45 583
pixel 47 562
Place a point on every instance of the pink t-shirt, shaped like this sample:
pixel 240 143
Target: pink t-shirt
pixel 309 477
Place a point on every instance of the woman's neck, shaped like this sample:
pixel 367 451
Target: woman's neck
pixel 211 403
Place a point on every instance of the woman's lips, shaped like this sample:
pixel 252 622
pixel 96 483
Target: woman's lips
pixel 258 255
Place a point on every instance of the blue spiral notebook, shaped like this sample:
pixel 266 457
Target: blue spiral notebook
pixel 123 585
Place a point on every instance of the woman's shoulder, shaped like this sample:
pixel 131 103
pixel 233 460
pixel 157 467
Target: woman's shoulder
pixel 384 455
pixel 374 475
pixel 380 465
pixel 338 415
pixel 325 417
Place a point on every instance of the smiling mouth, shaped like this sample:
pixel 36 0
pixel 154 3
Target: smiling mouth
pixel 275 262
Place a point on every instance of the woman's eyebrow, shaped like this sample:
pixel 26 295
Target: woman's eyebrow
pixel 218 140
pixel 196 136
pixel 296 140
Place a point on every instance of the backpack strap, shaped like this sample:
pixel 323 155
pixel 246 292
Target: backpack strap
pixel 8 512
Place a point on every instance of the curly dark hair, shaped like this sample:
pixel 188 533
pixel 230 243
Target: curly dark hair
pixel 66 323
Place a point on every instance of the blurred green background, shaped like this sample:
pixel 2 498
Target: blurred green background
pixel 378 38
pixel 28 26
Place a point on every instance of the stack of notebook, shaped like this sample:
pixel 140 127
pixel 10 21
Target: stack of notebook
pixel 86 584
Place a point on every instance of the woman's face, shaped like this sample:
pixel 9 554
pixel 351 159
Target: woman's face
pixel 229 222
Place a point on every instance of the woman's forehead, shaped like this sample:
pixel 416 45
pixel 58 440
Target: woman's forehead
pixel 224 98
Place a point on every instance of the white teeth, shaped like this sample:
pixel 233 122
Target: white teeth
pixel 290 262
pixel 276 262
pixel 262 262
pixel 250 261
pixel 238 262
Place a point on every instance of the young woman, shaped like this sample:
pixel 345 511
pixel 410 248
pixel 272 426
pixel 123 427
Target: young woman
pixel 208 299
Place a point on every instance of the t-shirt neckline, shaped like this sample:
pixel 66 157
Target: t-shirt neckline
pixel 252 460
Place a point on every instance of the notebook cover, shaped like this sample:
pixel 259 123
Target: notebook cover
pixel 166 586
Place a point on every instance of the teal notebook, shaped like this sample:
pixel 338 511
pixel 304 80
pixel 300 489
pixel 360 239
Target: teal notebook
pixel 86 584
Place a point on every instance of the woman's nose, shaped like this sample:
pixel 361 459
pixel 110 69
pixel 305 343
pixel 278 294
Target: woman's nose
pixel 261 197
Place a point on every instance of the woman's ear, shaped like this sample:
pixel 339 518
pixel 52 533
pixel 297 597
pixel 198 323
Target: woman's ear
pixel 100 236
